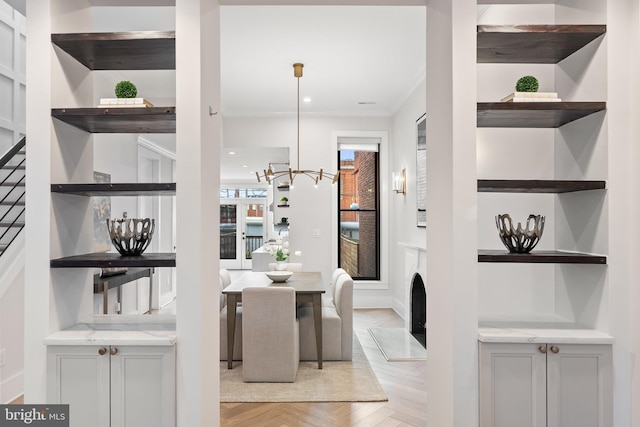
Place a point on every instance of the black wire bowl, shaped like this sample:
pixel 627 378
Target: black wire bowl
pixel 520 240
pixel 131 236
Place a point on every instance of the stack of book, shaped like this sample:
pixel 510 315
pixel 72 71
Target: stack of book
pixel 124 103
pixel 532 97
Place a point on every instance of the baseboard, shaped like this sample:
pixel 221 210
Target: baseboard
pixel 12 388
pixel 372 302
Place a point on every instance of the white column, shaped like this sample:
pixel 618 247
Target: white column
pixel 198 142
pixel 622 37
pixel 452 301
pixel 38 199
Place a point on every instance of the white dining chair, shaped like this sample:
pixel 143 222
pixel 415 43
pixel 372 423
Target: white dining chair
pixel 270 335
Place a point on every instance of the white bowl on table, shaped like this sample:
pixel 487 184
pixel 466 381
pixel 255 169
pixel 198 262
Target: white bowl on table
pixel 279 276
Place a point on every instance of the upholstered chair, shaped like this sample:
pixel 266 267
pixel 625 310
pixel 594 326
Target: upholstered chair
pixel 270 335
pixel 294 267
pixel 226 277
pixel 337 324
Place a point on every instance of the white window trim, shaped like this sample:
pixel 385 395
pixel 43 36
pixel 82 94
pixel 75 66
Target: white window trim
pixel 385 179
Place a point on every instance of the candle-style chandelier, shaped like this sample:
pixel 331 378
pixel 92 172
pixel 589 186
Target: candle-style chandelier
pixel 270 174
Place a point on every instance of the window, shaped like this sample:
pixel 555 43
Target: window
pixel 358 210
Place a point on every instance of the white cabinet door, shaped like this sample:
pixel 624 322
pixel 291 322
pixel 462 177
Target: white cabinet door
pixel 126 386
pixel 512 381
pixel 554 385
pixel 79 376
pixel 143 386
pixel 579 385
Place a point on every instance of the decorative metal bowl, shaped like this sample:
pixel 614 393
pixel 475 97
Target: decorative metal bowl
pixel 131 236
pixel 520 240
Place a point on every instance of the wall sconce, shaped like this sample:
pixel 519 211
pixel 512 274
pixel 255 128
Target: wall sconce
pixel 399 183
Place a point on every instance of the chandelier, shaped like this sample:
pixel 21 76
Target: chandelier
pixel 271 174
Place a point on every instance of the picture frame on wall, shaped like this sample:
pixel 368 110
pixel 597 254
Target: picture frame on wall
pixel 421 171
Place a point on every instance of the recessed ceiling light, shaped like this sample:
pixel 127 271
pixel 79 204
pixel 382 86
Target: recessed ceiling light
pixel 244 166
pixel 306 99
pixel 232 152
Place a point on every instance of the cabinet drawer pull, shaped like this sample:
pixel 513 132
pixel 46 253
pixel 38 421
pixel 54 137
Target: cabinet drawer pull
pixel 542 348
pixel 555 349
pixel 102 351
pixel 113 351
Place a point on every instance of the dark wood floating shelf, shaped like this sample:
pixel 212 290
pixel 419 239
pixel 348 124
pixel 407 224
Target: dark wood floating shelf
pixel 119 120
pixel 534 114
pixel 124 189
pixel 104 259
pixel 138 50
pixel 537 186
pixel 533 44
pixel 540 257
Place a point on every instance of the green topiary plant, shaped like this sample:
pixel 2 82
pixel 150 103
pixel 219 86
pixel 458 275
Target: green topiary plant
pixel 527 84
pixel 126 89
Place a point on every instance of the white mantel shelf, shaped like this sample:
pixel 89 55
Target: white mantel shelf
pixel 149 330
pixel 540 332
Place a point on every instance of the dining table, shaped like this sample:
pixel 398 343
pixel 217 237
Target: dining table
pixel 308 286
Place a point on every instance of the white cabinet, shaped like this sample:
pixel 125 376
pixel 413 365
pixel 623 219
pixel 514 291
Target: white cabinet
pixel 113 386
pixel 533 384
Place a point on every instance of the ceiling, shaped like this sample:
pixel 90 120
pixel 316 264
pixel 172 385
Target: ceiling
pixel 358 60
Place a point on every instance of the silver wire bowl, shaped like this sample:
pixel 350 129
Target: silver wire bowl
pixel 520 240
pixel 131 236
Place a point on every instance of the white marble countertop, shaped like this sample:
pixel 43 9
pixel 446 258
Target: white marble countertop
pixel 558 332
pixel 118 330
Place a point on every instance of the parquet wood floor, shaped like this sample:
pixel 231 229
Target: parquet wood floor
pixel 403 383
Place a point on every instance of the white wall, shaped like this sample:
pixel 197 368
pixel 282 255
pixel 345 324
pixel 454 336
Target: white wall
pixel 403 207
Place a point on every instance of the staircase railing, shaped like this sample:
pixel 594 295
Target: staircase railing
pixel 12 193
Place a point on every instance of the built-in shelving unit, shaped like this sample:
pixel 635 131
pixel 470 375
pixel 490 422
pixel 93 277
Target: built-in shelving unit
pixel 539 44
pixel 537 186
pixel 535 44
pixel 120 189
pixel 138 50
pixel 520 296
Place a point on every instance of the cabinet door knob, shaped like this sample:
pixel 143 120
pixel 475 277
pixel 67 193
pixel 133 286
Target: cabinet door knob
pixel 555 349
pixel 102 351
pixel 542 348
pixel 113 351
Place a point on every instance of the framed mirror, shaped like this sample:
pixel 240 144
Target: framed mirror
pixel 421 171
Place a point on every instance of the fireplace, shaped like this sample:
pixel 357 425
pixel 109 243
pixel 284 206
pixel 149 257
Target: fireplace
pixel 418 309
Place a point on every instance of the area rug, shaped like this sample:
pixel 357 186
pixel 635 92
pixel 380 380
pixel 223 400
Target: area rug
pixel 397 344
pixel 337 381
